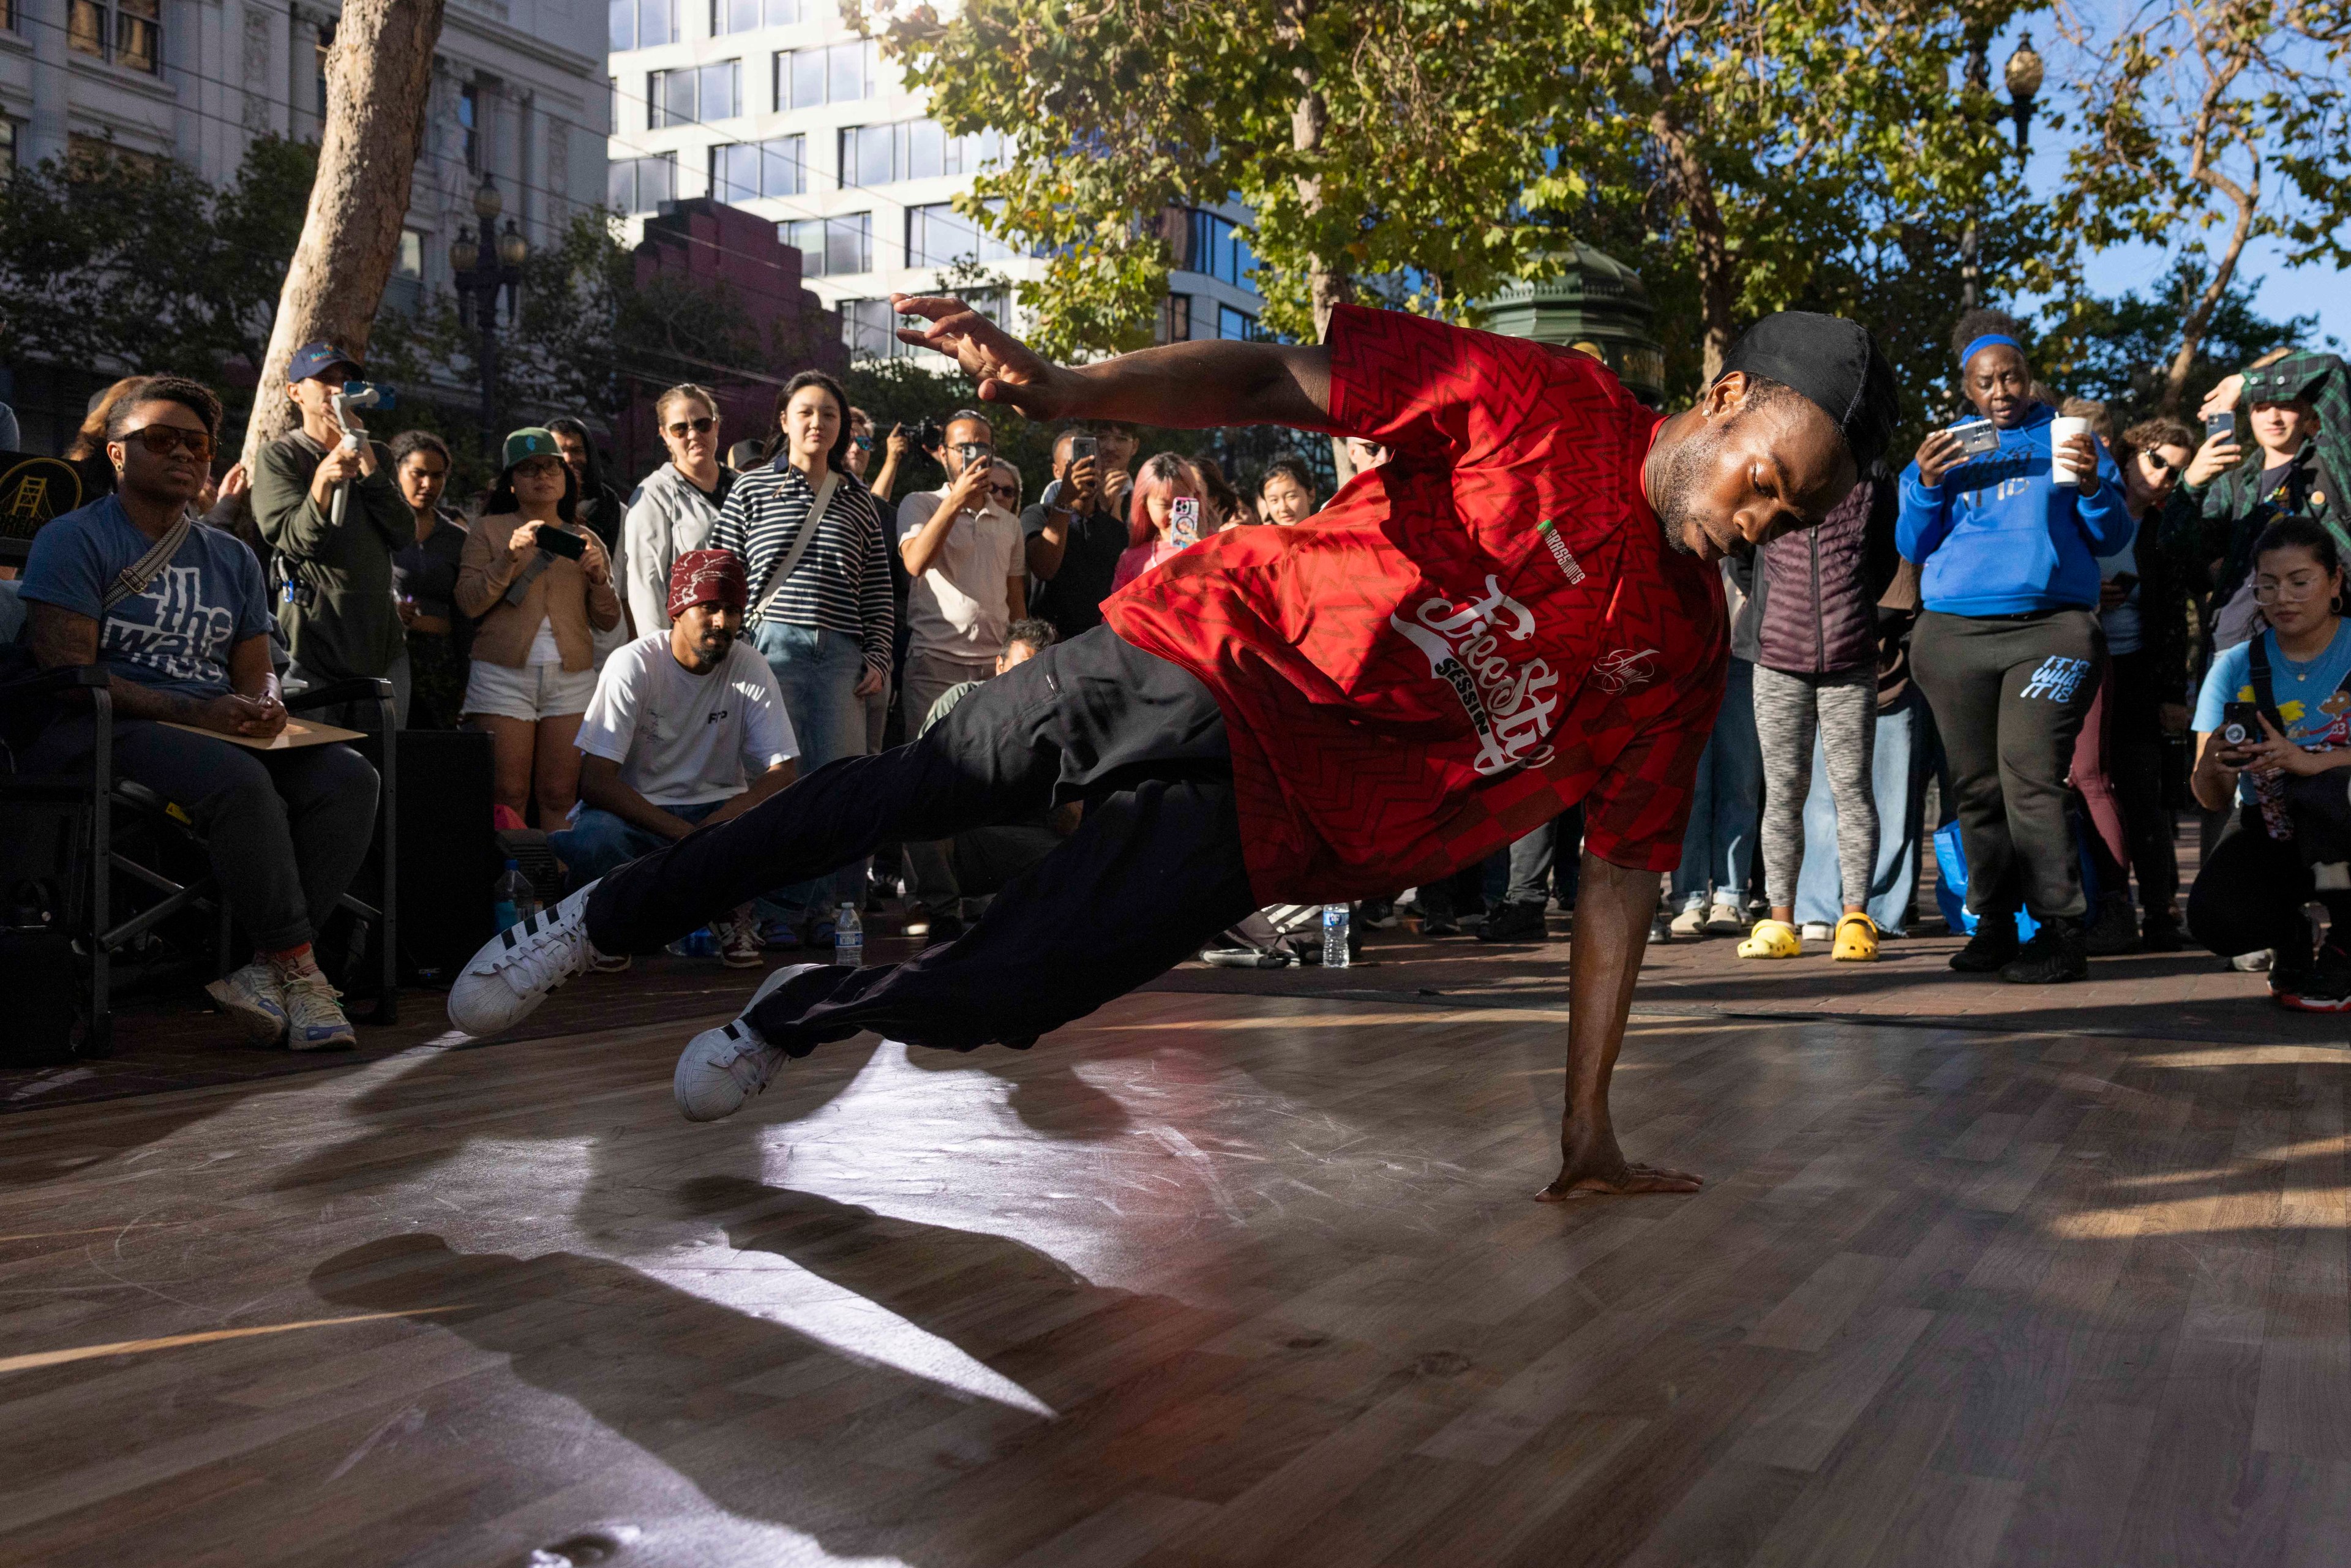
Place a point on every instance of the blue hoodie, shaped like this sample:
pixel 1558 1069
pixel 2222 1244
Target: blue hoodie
pixel 1997 537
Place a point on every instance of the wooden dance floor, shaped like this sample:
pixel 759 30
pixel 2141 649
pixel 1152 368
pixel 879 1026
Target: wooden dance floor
pixel 1209 1280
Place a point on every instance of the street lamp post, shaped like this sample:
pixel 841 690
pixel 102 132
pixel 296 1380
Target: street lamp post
pixel 482 269
pixel 2021 75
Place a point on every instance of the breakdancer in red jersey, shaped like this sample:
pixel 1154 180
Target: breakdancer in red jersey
pixel 1518 611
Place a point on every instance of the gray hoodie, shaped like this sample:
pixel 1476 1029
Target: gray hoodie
pixel 666 517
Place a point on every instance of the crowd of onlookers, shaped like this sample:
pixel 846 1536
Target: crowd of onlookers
pixel 641 661
pixel 2064 634
pixel 2027 622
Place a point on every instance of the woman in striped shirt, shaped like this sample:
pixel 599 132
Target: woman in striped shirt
pixel 820 610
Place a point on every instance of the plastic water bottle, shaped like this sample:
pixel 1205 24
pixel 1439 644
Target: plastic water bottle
pixel 1334 936
pixel 513 899
pixel 848 938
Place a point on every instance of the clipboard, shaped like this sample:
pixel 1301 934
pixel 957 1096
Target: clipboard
pixel 296 733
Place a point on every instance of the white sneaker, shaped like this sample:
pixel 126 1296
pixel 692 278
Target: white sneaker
pixel 252 997
pixel 517 968
pixel 314 1015
pixel 739 946
pixel 1817 931
pixel 721 1068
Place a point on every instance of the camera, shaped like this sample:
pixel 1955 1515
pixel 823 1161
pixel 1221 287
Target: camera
pixel 1976 437
pixel 928 436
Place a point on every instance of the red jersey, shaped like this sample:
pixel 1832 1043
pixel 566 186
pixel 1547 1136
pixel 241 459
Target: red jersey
pixel 1467 641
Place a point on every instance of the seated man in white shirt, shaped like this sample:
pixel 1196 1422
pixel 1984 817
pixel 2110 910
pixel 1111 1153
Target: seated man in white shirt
pixel 687 728
pixel 969 561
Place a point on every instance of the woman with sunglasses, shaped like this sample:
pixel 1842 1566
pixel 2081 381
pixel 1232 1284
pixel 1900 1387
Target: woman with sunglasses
pixel 2272 711
pixel 860 458
pixel 677 505
pixel 2119 758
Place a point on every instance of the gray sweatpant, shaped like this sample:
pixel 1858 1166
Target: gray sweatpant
pixel 1841 708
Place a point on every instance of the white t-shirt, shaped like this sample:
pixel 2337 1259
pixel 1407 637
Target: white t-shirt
pixel 683 740
pixel 957 606
pixel 543 649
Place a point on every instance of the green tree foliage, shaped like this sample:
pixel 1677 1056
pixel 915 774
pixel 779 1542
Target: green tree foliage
pixel 2120 350
pixel 2199 116
pixel 130 263
pixel 1764 153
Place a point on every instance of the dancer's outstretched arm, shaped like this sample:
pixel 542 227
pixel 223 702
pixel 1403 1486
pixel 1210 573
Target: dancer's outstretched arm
pixel 1184 386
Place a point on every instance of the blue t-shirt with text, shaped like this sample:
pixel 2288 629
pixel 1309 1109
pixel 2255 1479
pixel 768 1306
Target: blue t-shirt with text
pixel 175 637
pixel 2317 714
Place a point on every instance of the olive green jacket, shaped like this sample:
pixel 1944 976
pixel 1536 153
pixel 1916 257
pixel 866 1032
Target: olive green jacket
pixel 336 608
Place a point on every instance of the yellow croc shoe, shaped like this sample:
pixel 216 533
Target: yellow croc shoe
pixel 1772 939
pixel 1856 939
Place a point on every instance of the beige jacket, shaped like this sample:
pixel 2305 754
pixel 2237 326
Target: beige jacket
pixel 561 595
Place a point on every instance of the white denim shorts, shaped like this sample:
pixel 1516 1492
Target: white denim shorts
pixel 531 693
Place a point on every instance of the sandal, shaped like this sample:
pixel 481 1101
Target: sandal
pixel 1772 939
pixel 1856 938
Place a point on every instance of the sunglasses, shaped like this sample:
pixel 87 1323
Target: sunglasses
pixel 2160 463
pixel 162 440
pixel 699 426
pixel 1005 489
pixel 862 443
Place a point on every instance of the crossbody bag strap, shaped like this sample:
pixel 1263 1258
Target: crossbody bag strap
pixel 135 578
pixel 791 563
pixel 2258 675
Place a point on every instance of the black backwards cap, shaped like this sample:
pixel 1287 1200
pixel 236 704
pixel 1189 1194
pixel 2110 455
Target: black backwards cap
pixel 1835 364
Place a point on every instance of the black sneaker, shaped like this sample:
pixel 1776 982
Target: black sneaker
pixel 1993 945
pixel 1434 923
pixel 1516 923
pixel 2055 956
pixel 2159 933
pixel 2325 987
pixel 2112 930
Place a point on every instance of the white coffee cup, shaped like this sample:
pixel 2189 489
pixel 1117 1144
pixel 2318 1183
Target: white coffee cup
pixel 2063 429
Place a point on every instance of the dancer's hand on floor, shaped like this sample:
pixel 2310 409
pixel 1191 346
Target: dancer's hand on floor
pixel 1007 369
pixel 1594 1164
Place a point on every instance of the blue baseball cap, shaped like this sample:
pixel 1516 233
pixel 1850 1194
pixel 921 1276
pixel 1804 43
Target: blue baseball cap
pixel 312 359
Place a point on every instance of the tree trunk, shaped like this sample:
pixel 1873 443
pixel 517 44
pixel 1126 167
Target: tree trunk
pixel 2246 200
pixel 1717 291
pixel 377 74
pixel 1327 282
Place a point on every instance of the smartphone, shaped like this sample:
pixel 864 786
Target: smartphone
pixel 2125 580
pixel 562 542
pixel 1976 437
pixel 1184 521
pixel 2240 726
pixel 1083 446
pixel 2222 424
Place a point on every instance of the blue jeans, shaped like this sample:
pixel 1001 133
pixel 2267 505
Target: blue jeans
pixel 598 842
pixel 1718 846
pixel 818 671
pixel 1898 784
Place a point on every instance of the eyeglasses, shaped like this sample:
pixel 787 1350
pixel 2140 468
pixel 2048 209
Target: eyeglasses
pixel 162 440
pixel 699 426
pixel 2299 593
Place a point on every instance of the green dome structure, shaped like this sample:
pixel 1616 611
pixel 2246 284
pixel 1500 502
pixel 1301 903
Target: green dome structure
pixel 1596 304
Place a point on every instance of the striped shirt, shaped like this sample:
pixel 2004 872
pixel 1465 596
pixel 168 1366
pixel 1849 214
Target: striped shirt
pixel 842 581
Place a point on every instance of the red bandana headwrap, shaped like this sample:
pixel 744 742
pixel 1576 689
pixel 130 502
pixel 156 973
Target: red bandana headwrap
pixel 707 577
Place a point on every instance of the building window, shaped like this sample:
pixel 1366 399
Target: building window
pixel 869 327
pixel 831 247
pixel 912 150
pixel 745 15
pixel 469 118
pixel 839 73
pixel 1176 318
pixel 406 292
pixel 743 170
pixel 694 97
pixel 7 146
pixel 641 24
pixel 641 184
pixel 938 236
pixel 1237 324
pixel 1217 247
pixel 128 32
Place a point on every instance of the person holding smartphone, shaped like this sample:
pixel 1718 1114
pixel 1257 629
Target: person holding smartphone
pixel 538 585
pixel 1075 538
pixel 2293 410
pixel 2275 710
pixel 2008 644
pixel 1163 516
